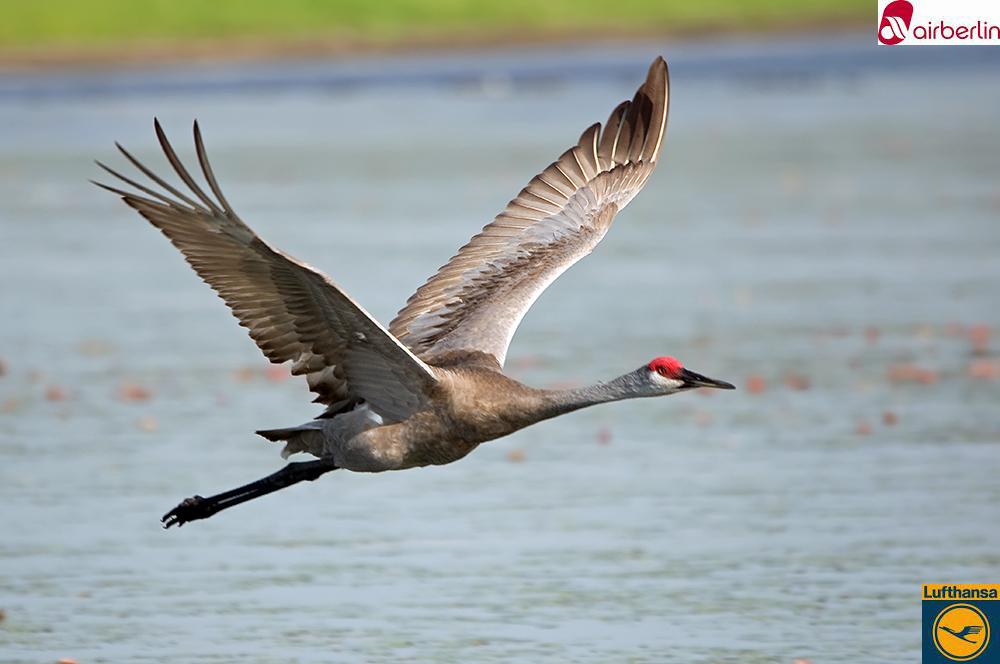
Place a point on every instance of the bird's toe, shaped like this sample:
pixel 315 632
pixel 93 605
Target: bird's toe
pixel 190 509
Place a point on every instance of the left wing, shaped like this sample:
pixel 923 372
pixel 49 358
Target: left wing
pixel 294 312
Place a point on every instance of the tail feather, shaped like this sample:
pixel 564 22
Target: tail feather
pixel 277 435
pixel 306 438
pixel 323 437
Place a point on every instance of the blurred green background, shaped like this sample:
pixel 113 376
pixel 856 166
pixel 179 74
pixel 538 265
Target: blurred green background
pixel 84 26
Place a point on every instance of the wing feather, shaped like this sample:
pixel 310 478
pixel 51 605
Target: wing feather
pixel 293 312
pixel 476 300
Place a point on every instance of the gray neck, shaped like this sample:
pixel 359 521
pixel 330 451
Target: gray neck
pixel 558 402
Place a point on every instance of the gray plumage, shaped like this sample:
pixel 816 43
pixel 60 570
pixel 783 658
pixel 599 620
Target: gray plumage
pixel 430 388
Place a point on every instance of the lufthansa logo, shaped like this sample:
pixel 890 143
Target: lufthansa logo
pixel 961 632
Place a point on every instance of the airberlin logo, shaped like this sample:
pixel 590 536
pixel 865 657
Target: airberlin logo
pixel 958 22
pixel 895 23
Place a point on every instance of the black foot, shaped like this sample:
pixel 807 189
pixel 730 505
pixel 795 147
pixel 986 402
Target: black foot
pixel 191 509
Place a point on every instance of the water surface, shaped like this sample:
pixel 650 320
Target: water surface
pixel 823 227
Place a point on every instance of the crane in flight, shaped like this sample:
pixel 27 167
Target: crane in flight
pixel 430 388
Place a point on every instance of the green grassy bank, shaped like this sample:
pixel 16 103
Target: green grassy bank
pixel 104 26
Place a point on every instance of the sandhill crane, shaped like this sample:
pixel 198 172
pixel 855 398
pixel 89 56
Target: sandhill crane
pixel 430 388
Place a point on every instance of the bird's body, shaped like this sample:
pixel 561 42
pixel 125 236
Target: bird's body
pixel 473 402
pixel 430 388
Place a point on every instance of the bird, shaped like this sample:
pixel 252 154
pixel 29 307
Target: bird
pixel 429 388
pixel 964 632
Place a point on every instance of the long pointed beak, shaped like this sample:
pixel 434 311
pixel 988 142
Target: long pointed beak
pixel 691 379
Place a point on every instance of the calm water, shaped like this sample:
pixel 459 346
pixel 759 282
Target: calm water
pixel 823 230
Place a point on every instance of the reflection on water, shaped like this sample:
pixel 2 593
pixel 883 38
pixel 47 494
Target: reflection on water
pixel 822 231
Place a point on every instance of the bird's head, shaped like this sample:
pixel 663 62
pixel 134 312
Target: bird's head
pixel 667 375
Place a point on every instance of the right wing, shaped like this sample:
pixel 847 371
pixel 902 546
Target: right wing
pixel 294 312
pixel 476 300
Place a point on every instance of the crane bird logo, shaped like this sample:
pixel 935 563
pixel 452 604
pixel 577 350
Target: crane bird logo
pixel 895 24
pixel 964 632
pixel 961 632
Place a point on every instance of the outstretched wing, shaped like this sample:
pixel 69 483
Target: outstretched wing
pixel 477 299
pixel 294 312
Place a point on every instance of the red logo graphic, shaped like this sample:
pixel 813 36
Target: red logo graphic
pixel 895 22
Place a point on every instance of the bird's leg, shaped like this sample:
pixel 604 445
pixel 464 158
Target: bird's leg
pixel 197 507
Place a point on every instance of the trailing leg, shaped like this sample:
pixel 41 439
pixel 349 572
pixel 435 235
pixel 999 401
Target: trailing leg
pixel 195 508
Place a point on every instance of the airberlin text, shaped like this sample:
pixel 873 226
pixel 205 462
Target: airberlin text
pixel 941 30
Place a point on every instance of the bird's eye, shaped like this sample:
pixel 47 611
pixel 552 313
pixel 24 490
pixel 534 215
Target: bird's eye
pixel 662 371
